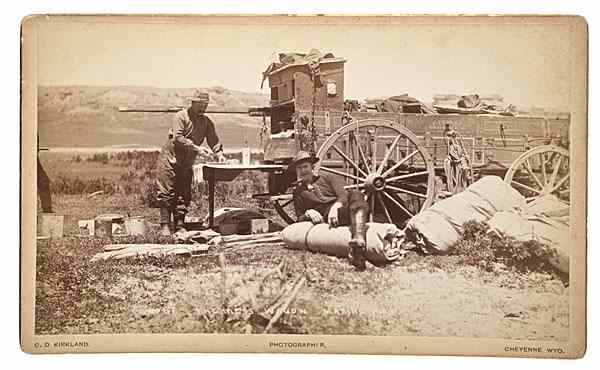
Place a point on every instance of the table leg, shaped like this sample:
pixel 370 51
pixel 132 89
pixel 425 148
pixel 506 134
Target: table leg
pixel 211 199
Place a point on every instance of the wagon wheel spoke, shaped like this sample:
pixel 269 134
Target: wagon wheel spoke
pixel 389 151
pixel 371 207
pixel 347 159
pixel 398 204
pixel 527 166
pixel 399 163
pixel 543 167
pixel 361 153
pixel 331 170
pixel 559 184
pixel 526 187
pixel 400 190
pixel 374 151
pixel 387 213
pixel 555 170
pixel 403 177
pixel 354 186
pixel 353 155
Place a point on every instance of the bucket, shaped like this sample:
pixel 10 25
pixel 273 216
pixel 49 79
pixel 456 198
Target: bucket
pixel 135 226
pixel 103 224
pixel 51 225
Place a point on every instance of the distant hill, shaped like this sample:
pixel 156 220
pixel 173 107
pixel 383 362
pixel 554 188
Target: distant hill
pixel 88 116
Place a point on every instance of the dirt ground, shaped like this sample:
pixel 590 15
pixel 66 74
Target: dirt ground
pixel 416 296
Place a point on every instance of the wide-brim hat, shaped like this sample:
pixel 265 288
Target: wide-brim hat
pixel 303 156
pixel 199 96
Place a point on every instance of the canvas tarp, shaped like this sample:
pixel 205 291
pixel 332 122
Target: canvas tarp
pixel 313 57
pixel 439 227
pixel 491 200
pixel 403 104
pixel 473 104
pixel 549 206
pixel 470 101
pixel 383 240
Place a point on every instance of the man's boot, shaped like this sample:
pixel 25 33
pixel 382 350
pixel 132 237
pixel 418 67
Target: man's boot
pixel 358 243
pixel 165 221
pixel 180 212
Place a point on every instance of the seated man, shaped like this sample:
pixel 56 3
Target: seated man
pixel 323 199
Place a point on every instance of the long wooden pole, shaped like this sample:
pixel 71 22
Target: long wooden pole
pixel 251 111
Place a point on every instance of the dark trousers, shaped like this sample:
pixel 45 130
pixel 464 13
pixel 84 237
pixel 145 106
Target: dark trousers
pixel 43 188
pixel 173 182
pixel 355 202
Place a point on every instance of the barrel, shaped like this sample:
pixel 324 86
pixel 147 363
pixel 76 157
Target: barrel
pixel 51 225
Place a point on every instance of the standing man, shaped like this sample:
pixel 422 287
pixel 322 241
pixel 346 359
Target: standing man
pixel 43 188
pixel 43 183
pixel 177 156
pixel 323 198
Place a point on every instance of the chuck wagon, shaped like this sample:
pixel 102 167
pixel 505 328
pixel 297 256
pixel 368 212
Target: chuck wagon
pixel 400 159
pixel 403 161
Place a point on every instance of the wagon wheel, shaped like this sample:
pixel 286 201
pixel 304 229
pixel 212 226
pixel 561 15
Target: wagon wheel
pixel 540 171
pixel 386 162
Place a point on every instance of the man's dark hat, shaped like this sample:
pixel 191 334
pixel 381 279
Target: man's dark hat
pixel 199 96
pixel 301 157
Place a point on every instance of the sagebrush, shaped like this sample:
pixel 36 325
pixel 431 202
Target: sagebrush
pixel 478 247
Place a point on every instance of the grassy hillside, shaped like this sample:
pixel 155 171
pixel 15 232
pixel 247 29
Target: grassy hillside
pixel 88 116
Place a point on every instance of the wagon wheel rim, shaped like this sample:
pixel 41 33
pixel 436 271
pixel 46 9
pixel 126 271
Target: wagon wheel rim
pixel 541 171
pixel 386 162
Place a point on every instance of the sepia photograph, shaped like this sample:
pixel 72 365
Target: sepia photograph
pixel 337 184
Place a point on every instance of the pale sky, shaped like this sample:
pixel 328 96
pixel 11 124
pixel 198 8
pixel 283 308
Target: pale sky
pixel 529 64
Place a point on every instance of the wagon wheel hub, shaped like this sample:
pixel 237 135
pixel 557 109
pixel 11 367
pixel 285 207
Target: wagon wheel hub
pixel 374 182
pixel 546 189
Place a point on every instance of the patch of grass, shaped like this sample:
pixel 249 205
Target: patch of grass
pixel 132 173
pixel 73 185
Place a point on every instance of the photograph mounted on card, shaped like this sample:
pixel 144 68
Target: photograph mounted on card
pixel 305 184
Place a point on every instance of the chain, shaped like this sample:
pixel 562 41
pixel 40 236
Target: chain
pixel 313 131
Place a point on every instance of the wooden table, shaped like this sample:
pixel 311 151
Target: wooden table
pixel 228 172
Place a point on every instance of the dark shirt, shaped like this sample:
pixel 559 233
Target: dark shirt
pixel 324 191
